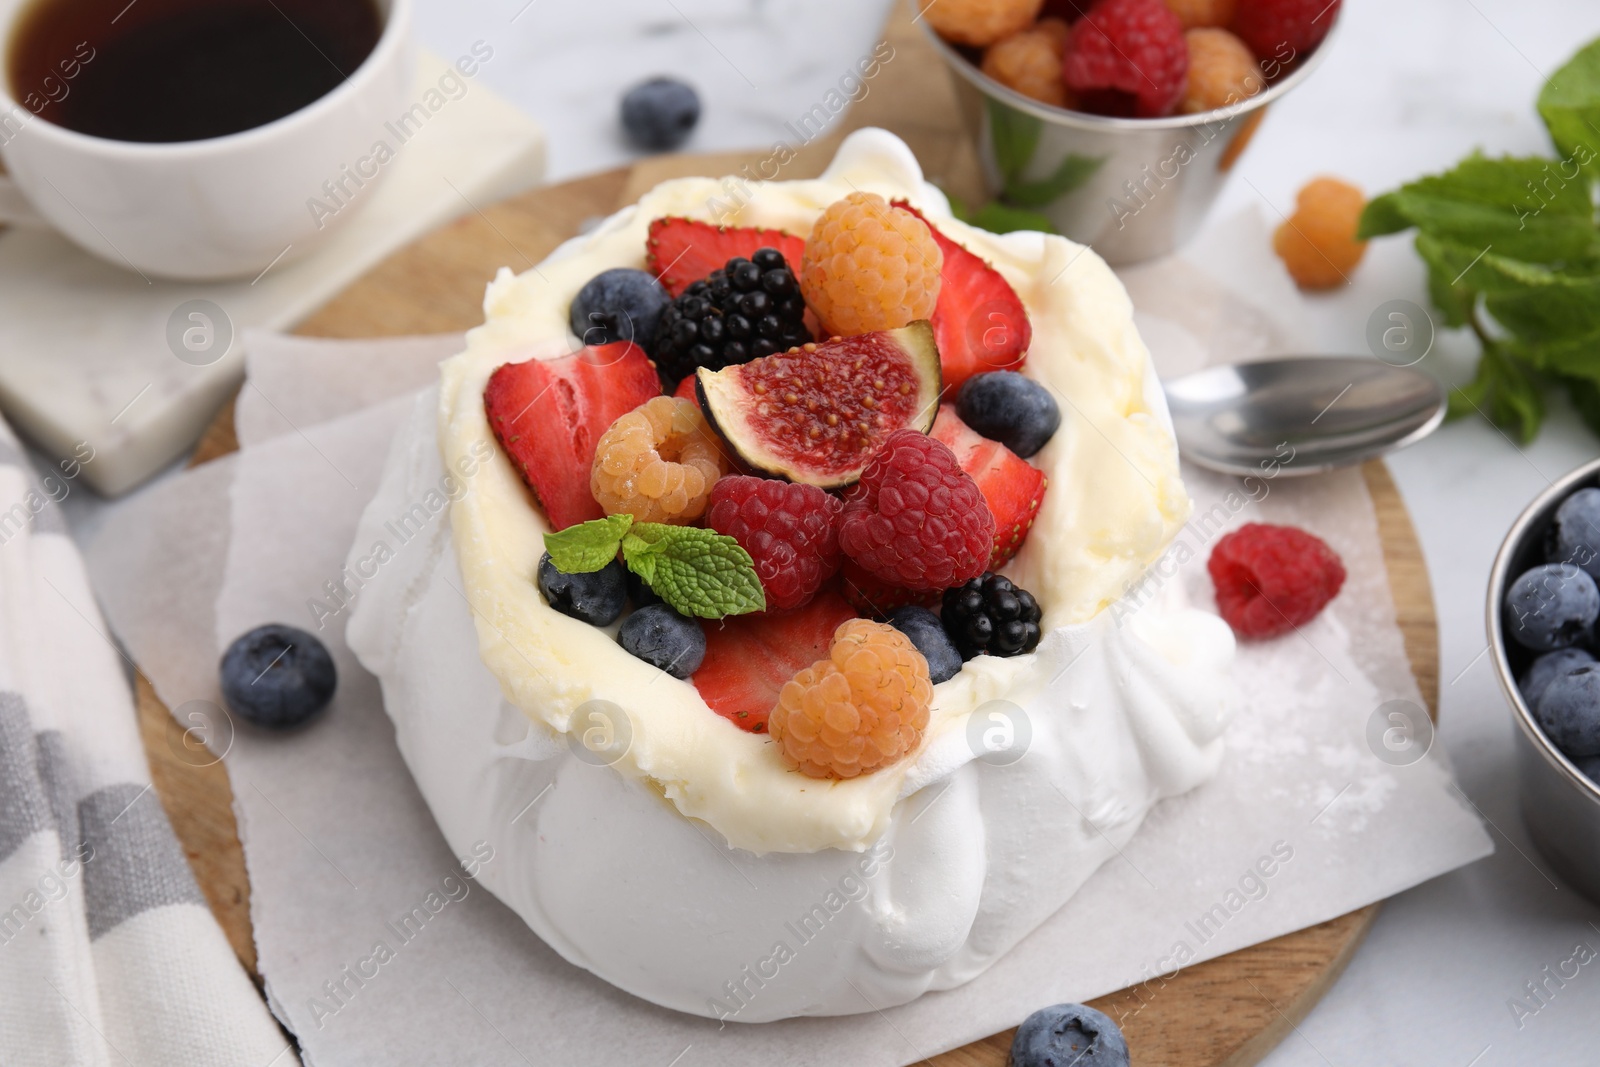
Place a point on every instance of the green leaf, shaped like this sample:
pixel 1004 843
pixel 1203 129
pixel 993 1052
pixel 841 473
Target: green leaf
pixel 1586 399
pixel 1381 216
pixel 958 208
pixel 1070 173
pixel 1574 358
pixel 587 546
pixel 697 572
pixel 1003 218
pixel 1569 103
pixel 1512 249
pixel 1014 136
pixel 1552 314
pixel 1504 393
pixel 1521 208
pixel 1454 301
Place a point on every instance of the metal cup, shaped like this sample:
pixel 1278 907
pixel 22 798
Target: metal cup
pixel 1560 805
pixel 1132 188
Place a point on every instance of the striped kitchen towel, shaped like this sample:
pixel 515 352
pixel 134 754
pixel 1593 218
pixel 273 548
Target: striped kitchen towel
pixel 108 953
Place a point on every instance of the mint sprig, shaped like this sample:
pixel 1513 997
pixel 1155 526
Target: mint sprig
pixel 696 572
pixel 587 546
pixel 1512 251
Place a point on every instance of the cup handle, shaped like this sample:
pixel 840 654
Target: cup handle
pixel 14 207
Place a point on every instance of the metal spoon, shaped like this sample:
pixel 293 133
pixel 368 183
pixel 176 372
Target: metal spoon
pixel 1304 415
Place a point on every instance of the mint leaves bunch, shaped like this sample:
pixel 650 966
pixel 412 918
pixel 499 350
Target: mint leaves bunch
pixel 1513 251
pixel 697 572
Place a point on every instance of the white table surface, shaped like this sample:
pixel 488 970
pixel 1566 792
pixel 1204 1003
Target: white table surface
pixel 1408 87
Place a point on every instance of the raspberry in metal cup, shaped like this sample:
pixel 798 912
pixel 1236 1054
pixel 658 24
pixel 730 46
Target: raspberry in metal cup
pixel 1133 188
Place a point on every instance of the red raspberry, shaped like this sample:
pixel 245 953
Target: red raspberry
pixel 789 529
pixel 1283 30
pixel 1272 579
pixel 916 519
pixel 1127 57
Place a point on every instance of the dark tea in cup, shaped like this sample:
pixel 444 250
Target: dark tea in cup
pixel 183 70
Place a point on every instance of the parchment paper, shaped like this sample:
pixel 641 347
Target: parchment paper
pixel 340 845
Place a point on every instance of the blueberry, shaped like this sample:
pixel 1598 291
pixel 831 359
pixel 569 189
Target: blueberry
pixel 659 114
pixel 277 676
pixel 620 304
pixel 1590 767
pixel 1546 669
pixel 596 598
pixel 663 638
pixel 640 595
pixel 1068 1035
pixel 1575 534
pixel 927 633
pixel 1551 606
pixel 1004 406
pixel 1569 711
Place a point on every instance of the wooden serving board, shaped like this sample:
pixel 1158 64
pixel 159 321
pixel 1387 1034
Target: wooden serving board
pixel 1224 1013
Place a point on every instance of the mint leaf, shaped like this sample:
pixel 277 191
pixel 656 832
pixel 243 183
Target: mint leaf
pixel 697 572
pixel 1512 250
pixel 1586 399
pixel 1382 216
pixel 1014 136
pixel 1569 103
pixel 1070 173
pixel 1445 265
pixel 1522 208
pixel 1002 218
pixel 587 546
pixel 1503 392
pixel 957 207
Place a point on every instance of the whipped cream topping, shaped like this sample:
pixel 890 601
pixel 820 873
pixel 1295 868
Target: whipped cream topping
pixel 1113 504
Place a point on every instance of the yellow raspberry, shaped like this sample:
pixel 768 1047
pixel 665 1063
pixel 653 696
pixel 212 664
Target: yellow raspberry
pixel 1030 63
pixel 1318 242
pixel 979 23
pixel 657 463
pixel 1057 30
pixel 869 266
pixel 860 709
pixel 1221 71
pixel 1194 13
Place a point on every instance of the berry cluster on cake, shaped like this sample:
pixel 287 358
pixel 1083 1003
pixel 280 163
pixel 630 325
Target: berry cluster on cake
pixel 815 499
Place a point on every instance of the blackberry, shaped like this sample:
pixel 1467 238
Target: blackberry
pixel 989 615
pixel 750 308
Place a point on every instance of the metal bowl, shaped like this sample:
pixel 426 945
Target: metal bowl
pixel 1560 805
pixel 1132 188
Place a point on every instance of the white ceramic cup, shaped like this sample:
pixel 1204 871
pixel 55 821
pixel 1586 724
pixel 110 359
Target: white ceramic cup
pixel 224 207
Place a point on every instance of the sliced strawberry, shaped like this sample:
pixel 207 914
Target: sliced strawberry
pixel 1012 487
pixel 875 598
pixel 685 390
pixel 548 414
pixel 681 251
pixel 750 657
pixel 979 322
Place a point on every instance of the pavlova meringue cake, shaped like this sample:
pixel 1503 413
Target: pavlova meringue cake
pixel 695 860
